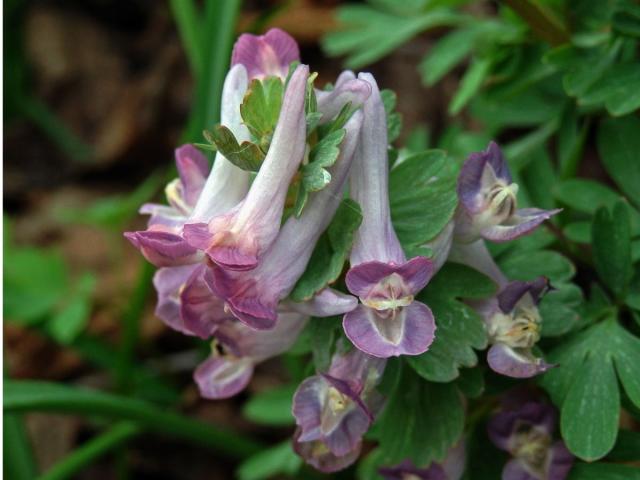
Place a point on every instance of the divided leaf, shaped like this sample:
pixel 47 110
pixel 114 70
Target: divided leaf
pixel 246 156
pixel 260 107
pixel 330 253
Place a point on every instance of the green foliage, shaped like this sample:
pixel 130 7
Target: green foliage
pixel 246 155
pixel 270 462
pixel 272 407
pixel 459 329
pixel 330 253
pixel 405 431
pixel 585 385
pixel 260 108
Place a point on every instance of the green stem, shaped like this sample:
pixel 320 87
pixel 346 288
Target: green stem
pixel 38 113
pixel 90 451
pixel 542 21
pixel 19 463
pixel 220 23
pixel 21 396
pixel 131 326
pixel 186 16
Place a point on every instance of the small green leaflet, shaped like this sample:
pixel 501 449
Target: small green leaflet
pixel 272 407
pixel 603 471
pixel 422 196
pixel 585 385
pixel 394 119
pixel 421 421
pixel 260 108
pixel 246 156
pixel 314 174
pixel 459 329
pixel 271 462
pixel 330 253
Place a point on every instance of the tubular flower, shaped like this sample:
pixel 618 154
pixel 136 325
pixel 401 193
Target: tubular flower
pixel 513 325
pixel 451 468
pixel 347 89
pixel 524 428
pixel 237 349
pixel 266 55
pixel 237 240
pixel 253 296
pixel 488 207
pixel 194 195
pixel 388 322
pixel 334 410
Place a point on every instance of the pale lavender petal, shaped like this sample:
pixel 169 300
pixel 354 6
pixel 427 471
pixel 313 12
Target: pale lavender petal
pixel 193 169
pixel 163 217
pixel 307 407
pixel 524 221
pixel 222 377
pixel 504 425
pixel 515 469
pixel 561 461
pixel 227 184
pixel 326 303
pixel 266 55
pixel 477 256
pixel 253 296
pixel 318 455
pixel 200 309
pixel 163 249
pixel 411 332
pixel 365 277
pixel 168 282
pixel 239 240
pixel 376 239
pixel 357 368
pixel 455 461
pixel 441 246
pixel 516 363
pixel 510 295
pixel 351 91
pixel 473 172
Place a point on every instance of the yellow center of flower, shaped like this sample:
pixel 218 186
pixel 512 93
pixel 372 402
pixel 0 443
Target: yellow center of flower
pixel 389 295
pixel 518 330
pixel 501 204
pixel 337 401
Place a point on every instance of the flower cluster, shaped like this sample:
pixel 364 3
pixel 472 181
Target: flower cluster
pixel 235 239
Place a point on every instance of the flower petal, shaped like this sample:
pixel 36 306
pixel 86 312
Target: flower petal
pixel 510 295
pixel 326 303
pixel 316 454
pixel 364 277
pixel 193 169
pixel 516 363
pixel 201 310
pixel 163 249
pixel 222 377
pixel 561 461
pixel 515 469
pixel 411 332
pixel 168 281
pixel 347 90
pixel 522 222
pixel 266 55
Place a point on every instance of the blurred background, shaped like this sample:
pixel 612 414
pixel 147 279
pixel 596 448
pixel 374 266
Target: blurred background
pixel 98 93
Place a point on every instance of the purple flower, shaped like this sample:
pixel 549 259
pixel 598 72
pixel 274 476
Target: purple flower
pixel 318 455
pixel 266 55
pixel 193 196
pixel 253 296
pixel 347 89
pixel 487 197
pixel 237 239
pixel 451 468
pixel 388 322
pixel 524 428
pixel 185 303
pixel 513 324
pixel 237 349
pixel 334 410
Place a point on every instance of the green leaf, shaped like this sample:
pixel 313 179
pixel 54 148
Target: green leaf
pixel 590 411
pixel 470 84
pixel 261 105
pixel 471 382
pixel 559 309
pixel 272 407
pixel 626 20
pixel 314 174
pixel 71 320
pixel 585 388
pixel 584 195
pixel 394 119
pixel 405 431
pixel 35 282
pixel 618 89
pixel 446 54
pixel 247 156
pixel 330 253
pixel 579 232
pixel 368 34
pixel 603 471
pixel 528 265
pixel 459 329
pixel 618 145
pixel 611 237
pixel 274 461
pixel 323 333
pixel 422 196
